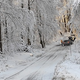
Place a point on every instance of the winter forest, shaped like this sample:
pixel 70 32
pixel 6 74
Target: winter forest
pixel 35 23
pixel 29 26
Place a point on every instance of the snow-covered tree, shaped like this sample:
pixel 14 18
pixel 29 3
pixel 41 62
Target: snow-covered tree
pixel 33 23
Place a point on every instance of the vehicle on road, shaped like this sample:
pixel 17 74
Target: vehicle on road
pixel 70 41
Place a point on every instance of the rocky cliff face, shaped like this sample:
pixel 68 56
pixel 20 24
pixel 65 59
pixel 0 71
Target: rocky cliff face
pixel 34 23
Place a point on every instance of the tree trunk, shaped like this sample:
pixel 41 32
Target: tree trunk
pixel 29 4
pixel 0 38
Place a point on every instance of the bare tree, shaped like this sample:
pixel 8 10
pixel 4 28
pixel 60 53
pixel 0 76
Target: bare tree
pixel 0 37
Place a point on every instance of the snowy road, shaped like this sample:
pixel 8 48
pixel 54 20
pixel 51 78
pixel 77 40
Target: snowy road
pixel 43 68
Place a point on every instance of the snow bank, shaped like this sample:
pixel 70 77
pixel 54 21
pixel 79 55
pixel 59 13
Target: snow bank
pixel 69 69
pixel 14 60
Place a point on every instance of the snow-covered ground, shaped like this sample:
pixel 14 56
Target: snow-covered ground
pixel 69 69
pixel 36 24
pixel 26 65
pixel 45 64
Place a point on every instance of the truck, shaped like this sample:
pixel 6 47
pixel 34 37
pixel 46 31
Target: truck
pixel 70 41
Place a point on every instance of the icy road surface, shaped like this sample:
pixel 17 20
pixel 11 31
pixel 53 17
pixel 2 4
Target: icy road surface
pixel 41 68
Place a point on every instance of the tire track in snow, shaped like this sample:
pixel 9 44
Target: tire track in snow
pixel 33 76
pixel 44 56
pixel 31 63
